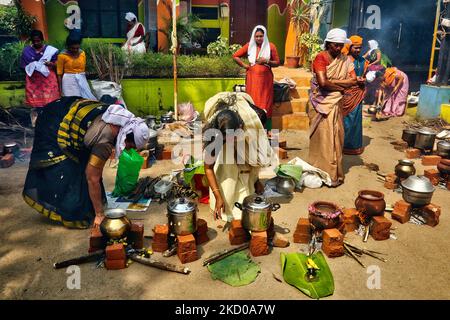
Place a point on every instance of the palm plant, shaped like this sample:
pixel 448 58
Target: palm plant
pixel 188 32
pixel 300 11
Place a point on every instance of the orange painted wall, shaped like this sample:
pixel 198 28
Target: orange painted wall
pixel 37 8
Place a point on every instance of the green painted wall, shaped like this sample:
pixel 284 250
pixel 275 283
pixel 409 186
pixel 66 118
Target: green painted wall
pixel 276 28
pixel 142 95
pixel 142 98
pixel 341 13
pixel 56 14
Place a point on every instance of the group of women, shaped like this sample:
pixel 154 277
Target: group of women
pixel 338 88
pixel 50 75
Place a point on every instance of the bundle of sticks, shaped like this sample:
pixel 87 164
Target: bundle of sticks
pixel 355 253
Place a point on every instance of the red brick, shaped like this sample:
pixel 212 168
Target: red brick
pixel 380 228
pixel 238 229
pixel 390 185
pixel 7 160
pixel 282 143
pixel 433 175
pixel 431 160
pixel 145 163
pixel 202 226
pixel 302 233
pixel 115 264
pixel 167 154
pixel 280 241
pixel 136 235
pixel 186 257
pixel 400 145
pixel 237 239
pixel 282 153
pixel 412 153
pixel 201 238
pixel 96 239
pixel 391 177
pixel 448 185
pixel 160 246
pixel 186 243
pixel 431 213
pixel 351 219
pixel 258 244
pixel 115 252
pixel 402 211
pixel 161 233
pixel 333 243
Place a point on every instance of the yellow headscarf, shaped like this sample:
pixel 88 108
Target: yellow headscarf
pixel 355 41
pixel 389 76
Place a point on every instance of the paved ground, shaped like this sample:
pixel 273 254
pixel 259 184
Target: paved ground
pixel 417 266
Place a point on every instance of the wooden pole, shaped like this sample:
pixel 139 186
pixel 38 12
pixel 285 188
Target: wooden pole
pixel 160 265
pixel 174 51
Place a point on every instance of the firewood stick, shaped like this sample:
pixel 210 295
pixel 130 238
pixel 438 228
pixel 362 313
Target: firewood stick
pixel 361 249
pixel 353 255
pixel 160 265
pixel 223 254
pixel 75 261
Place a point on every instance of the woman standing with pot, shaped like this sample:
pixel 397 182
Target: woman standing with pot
pixel 262 56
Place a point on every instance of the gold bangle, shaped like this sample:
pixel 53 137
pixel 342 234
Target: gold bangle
pixel 217 189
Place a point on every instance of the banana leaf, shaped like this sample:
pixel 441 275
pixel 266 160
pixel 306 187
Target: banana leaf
pixel 236 270
pixel 294 269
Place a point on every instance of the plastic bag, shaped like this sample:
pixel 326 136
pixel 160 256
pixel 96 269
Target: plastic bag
pixel 110 88
pixel 130 163
pixel 311 180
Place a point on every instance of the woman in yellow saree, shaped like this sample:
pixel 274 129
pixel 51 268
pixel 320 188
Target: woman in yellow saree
pixel 333 72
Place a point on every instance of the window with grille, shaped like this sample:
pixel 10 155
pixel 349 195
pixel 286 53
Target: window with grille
pixel 105 18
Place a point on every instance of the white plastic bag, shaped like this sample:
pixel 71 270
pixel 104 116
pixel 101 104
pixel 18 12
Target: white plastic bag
pixel 311 180
pixel 102 88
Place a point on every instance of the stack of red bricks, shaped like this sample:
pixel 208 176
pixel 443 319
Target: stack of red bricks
pixel 96 240
pixel 333 243
pixel 187 248
pixel 351 219
pixel 413 153
pixel 380 228
pixel 136 235
pixel 402 213
pixel 116 258
pixel 302 232
pixel 237 234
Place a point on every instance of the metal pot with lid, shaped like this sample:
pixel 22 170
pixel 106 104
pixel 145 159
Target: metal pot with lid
pixel 167 118
pixel 256 212
pixel 417 190
pixel 425 139
pixel 182 216
pixel 409 136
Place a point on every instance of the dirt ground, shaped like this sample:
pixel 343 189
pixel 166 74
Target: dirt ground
pixel 417 266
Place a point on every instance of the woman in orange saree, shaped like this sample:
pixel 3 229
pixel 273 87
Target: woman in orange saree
pixel 333 72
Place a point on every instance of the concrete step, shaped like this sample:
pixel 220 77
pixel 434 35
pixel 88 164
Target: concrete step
pixel 300 92
pixel 293 121
pixel 295 105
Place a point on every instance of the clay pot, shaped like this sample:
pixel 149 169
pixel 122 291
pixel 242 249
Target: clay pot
pixel 404 169
pixel 292 62
pixel 370 203
pixel 324 215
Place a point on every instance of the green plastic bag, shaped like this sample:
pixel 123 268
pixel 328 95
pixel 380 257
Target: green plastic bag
pixel 130 163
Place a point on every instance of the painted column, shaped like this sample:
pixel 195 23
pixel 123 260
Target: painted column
pixel 37 9
pixel 276 24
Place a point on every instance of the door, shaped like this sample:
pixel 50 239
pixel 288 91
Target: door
pixel 245 15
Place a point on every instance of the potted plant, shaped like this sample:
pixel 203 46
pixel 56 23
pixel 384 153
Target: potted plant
pixel 299 24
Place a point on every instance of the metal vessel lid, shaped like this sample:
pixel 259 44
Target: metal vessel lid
pixel 418 184
pixel 115 213
pixel 182 205
pixel 427 131
pixel 10 144
pixel 256 201
pixel 444 143
pixel 406 162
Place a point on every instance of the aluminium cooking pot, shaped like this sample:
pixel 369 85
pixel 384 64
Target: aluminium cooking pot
pixel 425 139
pixel 256 212
pixel 182 216
pixel 167 118
pixel 409 136
pixel 417 190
